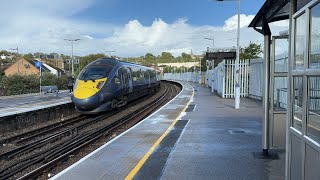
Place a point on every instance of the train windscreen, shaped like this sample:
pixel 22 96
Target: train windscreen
pixel 93 73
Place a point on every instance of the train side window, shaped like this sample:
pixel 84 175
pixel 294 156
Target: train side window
pixel 120 72
pixel 140 74
pixel 135 75
pixel 130 73
pixel 118 77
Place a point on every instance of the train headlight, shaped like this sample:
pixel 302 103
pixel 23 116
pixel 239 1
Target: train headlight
pixel 100 84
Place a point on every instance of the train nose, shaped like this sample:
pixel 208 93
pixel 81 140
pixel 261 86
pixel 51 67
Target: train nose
pixel 84 93
pixel 85 99
pixel 86 104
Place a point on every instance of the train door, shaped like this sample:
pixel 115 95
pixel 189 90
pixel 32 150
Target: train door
pixel 119 80
pixel 125 80
pixel 130 79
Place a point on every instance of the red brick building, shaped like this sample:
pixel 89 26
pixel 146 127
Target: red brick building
pixel 23 67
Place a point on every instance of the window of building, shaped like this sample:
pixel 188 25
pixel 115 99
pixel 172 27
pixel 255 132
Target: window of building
pixel 281 55
pixel 297 102
pixel 280 93
pixel 300 38
pixel 313 120
pixel 314 58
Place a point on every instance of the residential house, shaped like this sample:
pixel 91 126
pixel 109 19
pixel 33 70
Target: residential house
pixel 24 67
pixel 3 56
pixel 54 70
pixel 54 60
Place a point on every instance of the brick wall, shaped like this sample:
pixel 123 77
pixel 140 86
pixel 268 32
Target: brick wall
pixel 22 66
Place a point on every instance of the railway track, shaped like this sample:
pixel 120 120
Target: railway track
pixel 70 139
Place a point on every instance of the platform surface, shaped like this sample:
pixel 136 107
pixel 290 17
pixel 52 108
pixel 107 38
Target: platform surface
pixel 219 142
pixel 211 140
pixel 10 105
pixel 116 159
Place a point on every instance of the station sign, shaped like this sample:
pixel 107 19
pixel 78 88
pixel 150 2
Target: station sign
pixel 75 61
pixel 221 55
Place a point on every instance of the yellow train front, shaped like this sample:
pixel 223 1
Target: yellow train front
pixel 108 83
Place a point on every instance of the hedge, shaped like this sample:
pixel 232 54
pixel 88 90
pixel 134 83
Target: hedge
pixel 24 84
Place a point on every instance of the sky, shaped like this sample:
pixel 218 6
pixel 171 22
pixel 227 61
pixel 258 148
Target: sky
pixel 128 27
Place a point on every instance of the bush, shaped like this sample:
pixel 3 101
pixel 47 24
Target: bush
pixel 50 79
pixel 24 84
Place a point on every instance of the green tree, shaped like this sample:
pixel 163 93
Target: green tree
pixel 251 51
pixel 166 57
pixel 149 56
pixel 203 63
pixel 24 84
pixel 51 79
pixel 186 57
pixel 5 52
pixel 1 72
pixel 17 84
pixel 28 56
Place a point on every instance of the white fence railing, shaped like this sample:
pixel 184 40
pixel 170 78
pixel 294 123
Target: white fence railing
pixel 224 81
pixel 220 79
pixel 314 94
pixel 187 76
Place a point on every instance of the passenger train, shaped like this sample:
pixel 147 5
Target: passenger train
pixel 108 83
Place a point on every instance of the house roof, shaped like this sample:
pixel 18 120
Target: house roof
pixel 43 69
pixel 56 68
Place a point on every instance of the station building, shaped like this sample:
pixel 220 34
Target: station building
pixel 296 119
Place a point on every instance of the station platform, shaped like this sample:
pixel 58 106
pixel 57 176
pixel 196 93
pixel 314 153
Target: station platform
pixel 197 135
pixel 11 105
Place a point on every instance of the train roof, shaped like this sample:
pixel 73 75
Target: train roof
pixel 114 62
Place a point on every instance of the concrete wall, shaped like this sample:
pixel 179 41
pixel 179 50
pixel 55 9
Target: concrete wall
pixel 23 120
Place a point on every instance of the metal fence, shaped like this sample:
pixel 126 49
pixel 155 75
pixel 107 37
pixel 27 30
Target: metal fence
pixel 187 76
pixel 256 78
pixel 314 94
pixel 222 78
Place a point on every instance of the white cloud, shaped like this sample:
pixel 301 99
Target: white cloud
pixel 134 38
pixel 88 37
pixel 34 27
pixel 232 22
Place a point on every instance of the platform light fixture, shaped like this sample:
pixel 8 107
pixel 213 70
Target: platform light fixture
pixel 210 39
pixel 17 49
pixel 72 60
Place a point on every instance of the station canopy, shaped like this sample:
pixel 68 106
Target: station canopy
pixel 272 10
pixel 275 10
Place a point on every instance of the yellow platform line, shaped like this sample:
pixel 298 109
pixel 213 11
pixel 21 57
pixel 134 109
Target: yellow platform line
pixel 135 170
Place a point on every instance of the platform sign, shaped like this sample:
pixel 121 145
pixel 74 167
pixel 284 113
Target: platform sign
pixel 38 64
pixel 221 55
pixel 75 61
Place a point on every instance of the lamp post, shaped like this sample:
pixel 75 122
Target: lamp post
pixel 17 49
pixel 211 39
pixel 110 52
pixel 40 66
pixel 72 60
pixel 236 76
